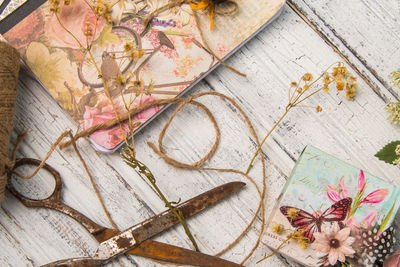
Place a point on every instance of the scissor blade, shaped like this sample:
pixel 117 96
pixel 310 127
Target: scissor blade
pixel 164 252
pixel 136 234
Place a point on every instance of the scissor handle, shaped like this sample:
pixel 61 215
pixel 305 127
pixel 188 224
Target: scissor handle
pixel 54 200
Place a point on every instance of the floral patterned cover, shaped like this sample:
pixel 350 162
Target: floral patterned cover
pixel 63 68
pixel 344 212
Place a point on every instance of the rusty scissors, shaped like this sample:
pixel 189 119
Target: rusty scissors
pixel 136 239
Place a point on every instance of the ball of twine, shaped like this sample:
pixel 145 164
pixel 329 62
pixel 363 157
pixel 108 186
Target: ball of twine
pixel 9 68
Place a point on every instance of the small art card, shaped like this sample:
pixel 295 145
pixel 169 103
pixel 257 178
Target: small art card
pixel 331 213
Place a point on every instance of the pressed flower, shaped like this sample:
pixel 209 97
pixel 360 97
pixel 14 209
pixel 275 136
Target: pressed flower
pixel 376 196
pixel 277 228
pixel 396 161
pixel 318 109
pixel 303 244
pixel 327 79
pixel 307 77
pixel 351 87
pixel 333 243
pixel 339 85
pixel 293 84
pixel 394 112
pixel 293 212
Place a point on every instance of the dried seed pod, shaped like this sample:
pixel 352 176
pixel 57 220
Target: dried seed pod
pixel 9 68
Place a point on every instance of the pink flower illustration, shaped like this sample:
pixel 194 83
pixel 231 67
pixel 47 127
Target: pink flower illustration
pixel 333 244
pixel 361 182
pixel 108 138
pixel 148 113
pixel 337 193
pixel 376 196
pixel 75 17
pixel 366 222
pixel 28 30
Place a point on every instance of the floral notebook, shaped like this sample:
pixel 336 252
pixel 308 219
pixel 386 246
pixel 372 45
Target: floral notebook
pixel 139 64
pixel 333 214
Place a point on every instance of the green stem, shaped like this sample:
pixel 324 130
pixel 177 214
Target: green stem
pixel 144 170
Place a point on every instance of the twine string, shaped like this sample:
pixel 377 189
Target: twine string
pixel 198 164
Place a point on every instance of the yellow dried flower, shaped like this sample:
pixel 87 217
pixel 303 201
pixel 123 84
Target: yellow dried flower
pixel 318 109
pixel 293 84
pixel 67 2
pixel 150 88
pixel 277 228
pixel 299 90
pixel 326 88
pixel 138 53
pixel 307 77
pixel 396 161
pixel 303 244
pixel 394 112
pixel 327 79
pixel 292 213
pixel 121 80
pixel 351 87
pixel 128 46
pixel 339 84
pixel 397 150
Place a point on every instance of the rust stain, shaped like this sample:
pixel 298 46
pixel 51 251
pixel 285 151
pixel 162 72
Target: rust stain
pixel 123 242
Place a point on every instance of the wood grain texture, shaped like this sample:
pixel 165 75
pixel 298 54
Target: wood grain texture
pixel 351 130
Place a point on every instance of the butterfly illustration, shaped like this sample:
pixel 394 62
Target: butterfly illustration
pixel 301 219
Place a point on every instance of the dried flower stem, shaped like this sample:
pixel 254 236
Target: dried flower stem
pixel 276 250
pixel 295 99
pixel 129 152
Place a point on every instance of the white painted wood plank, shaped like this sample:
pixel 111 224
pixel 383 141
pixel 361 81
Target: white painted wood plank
pixel 367 32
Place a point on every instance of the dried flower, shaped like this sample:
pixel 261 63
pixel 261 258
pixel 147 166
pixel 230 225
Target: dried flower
pixel 339 85
pixel 394 112
pixel 397 150
pixel 277 228
pixel 318 109
pixel 327 79
pixel 303 244
pixel 333 243
pixel 121 80
pixel 395 77
pixel 307 77
pixel 351 87
pixel 293 212
pixel 293 84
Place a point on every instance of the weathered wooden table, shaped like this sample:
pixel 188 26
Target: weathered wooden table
pixel 308 36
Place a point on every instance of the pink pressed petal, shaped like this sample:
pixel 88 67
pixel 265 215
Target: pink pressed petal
pixel 343 234
pixel 333 256
pixel 335 228
pixel 322 247
pixel 341 257
pixel 346 250
pixel 349 241
pixel 320 236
